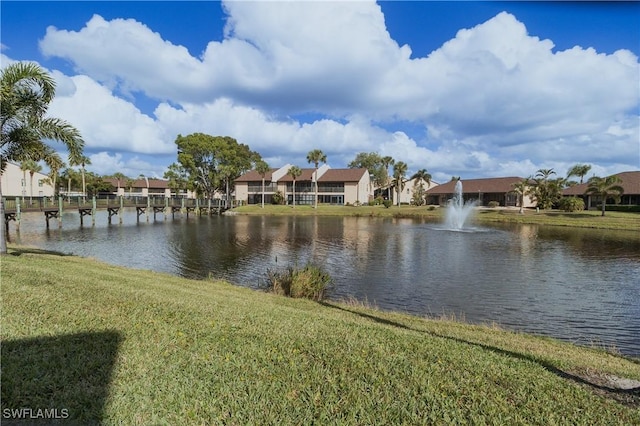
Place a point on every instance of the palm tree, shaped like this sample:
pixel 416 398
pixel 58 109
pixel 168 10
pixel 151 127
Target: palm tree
pixel 608 187
pixel 421 177
pixel 33 168
pixel 399 170
pixel 82 161
pixel 315 157
pixel 579 170
pixel 55 164
pixel 521 189
pixel 262 168
pixel 386 162
pixel 26 91
pixel 294 172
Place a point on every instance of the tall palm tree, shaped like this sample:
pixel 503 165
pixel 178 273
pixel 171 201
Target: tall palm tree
pixel 82 161
pixel 399 171
pixel 294 172
pixel 521 189
pixel 386 163
pixel 262 168
pixel 608 187
pixel 421 177
pixel 55 164
pixel 33 168
pixel 315 157
pixel 579 170
pixel 26 90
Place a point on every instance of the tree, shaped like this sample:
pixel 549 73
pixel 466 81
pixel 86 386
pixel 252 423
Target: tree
pixel 26 91
pixel 177 177
pixel 386 163
pixel 82 161
pixel 421 177
pixel 212 163
pixel 316 156
pixel 608 187
pixel 262 168
pixel 372 161
pixel 55 164
pixel 521 189
pixel 33 168
pixel 399 171
pixel 579 170
pixel 294 172
pixel 547 191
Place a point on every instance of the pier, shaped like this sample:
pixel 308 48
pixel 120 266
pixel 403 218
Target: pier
pixel 144 206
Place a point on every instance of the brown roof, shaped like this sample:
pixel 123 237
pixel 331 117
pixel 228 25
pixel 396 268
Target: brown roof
pixel 343 175
pixel 254 176
pixel 630 184
pixel 306 175
pixel 472 186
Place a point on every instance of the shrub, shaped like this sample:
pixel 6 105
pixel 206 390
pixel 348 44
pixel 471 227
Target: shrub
pixel 379 200
pixel 387 203
pixel 310 282
pixel 431 208
pixel 277 198
pixel 493 204
pixel 571 204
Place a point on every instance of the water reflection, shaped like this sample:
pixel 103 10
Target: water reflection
pixel 575 284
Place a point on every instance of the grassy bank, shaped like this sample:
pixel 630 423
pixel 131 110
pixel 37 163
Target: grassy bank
pixel 135 347
pixel 584 219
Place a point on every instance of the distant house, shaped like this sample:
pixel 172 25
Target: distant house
pixel 335 186
pixel 407 192
pixel 145 186
pixel 484 190
pixel 630 184
pixel 18 183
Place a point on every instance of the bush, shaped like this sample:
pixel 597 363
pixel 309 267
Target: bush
pixel 493 204
pixel 387 203
pixel 310 282
pixel 431 208
pixel 379 200
pixel 571 204
pixel 277 198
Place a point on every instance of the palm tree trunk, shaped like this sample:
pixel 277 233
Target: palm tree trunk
pixel 604 201
pixel 31 189
pixel 316 179
pixel 294 194
pixel 263 193
pixel 3 237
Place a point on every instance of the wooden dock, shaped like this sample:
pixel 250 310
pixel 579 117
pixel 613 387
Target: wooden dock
pixel 114 207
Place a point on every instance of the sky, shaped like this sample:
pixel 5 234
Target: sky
pixel 470 89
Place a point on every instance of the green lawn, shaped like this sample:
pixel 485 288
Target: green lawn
pixel 123 346
pixel 584 219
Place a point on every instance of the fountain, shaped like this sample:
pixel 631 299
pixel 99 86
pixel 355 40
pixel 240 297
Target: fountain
pixel 458 212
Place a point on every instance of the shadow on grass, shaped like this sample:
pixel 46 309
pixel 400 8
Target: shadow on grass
pixel 19 251
pixel 629 397
pixel 50 380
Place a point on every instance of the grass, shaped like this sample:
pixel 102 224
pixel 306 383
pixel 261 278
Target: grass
pixel 584 219
pixel 121 346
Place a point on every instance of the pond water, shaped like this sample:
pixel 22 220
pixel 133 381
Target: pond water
pixel 579 285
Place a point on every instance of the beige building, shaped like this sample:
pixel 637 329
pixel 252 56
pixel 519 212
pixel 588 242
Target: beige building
pixel 19 183
pixel 335 186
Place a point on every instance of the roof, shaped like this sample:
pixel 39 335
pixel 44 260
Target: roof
pixel 500 185
pixel 306 175
pixel 343 175
pixel 138 183
pixel 254 176
pixel 630 184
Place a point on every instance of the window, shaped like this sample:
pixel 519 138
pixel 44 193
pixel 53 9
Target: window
pixel 22 182
pixel 40 183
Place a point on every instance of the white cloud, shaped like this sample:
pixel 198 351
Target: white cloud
pixel 493 100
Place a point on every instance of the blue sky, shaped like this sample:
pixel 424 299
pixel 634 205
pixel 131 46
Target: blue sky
pixel 472 89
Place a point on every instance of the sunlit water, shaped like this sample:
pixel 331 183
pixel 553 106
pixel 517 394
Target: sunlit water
pixel 574 284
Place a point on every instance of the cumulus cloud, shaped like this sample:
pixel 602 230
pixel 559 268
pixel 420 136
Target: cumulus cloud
pixel 493 100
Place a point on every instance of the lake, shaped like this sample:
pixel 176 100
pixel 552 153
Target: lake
pixel 580 285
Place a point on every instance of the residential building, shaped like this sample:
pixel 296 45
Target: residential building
pixel 18 183
pixel 335 186
pixel 406 194
pixel 630 183
pixel 483 191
